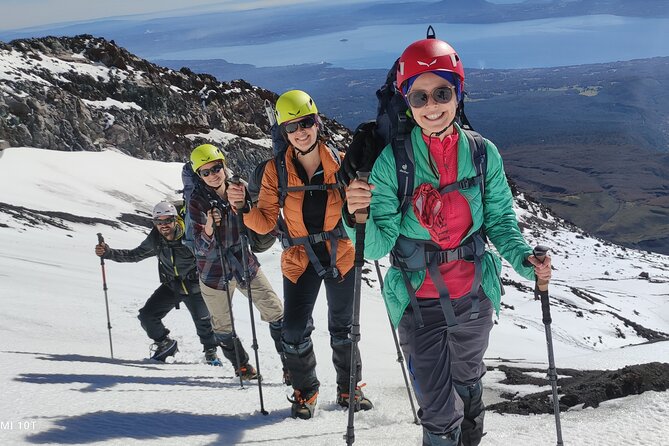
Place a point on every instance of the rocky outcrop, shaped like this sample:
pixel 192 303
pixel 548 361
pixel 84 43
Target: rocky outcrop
pixel 86 93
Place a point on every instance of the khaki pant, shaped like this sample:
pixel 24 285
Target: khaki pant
pixel 264 298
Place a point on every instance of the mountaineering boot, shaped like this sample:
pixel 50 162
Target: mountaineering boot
pixel 162 349
pixel 211 357
pixel 303 404
pixel 360 400
pixel 247 372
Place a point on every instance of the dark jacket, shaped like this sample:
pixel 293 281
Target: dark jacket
pixel 176 263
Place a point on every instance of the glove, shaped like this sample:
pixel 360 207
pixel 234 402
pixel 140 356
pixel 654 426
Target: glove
pixel 362 153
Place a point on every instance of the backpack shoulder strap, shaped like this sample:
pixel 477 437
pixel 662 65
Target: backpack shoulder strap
pixel 340 181
pixel 405 170
pixel 479 153
pixel 282 176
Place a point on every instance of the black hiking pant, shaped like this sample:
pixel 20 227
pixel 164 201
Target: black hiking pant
pixel 447 367
pixel 163 300
pixel 299 301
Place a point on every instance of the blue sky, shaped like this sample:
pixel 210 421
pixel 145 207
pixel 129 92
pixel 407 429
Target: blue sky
pixel 15 14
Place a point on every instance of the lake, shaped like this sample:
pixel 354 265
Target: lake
pixel 525 44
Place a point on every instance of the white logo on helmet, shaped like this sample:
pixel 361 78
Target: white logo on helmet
pixel 425 64
pixel 402 68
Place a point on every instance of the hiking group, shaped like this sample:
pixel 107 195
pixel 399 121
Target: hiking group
pixel 436 196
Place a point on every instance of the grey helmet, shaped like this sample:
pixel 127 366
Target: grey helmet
pixel 163 209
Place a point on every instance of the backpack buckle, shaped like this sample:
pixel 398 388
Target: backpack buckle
pixel 318 238
pixel 285 242
pixel 331 273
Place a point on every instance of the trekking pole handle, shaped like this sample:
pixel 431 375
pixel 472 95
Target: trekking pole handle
pixel 236 180
pixel 362 214
pixel 540 252
pixel 101 241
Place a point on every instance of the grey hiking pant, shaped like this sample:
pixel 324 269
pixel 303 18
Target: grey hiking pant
pixel 446 368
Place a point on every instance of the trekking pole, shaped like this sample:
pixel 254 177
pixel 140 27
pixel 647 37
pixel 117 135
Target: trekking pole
pixel 541 291
pixel 235 342
pixel 400 357
pixel 360 224
pixel 247 279
pixel 101 241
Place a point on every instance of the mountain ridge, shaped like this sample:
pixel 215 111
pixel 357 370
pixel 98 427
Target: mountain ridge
pixel 87 93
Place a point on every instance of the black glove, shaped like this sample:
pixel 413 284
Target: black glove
pixel 362 153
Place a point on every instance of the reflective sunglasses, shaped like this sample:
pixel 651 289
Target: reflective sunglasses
pixel 164 221
pixel 441 95
pixel 206 172
pixel 305 123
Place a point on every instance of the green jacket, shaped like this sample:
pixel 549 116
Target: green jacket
pixel 496 214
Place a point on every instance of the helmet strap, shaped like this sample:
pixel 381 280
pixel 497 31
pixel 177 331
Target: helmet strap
pixel 437 134
pixel 310 149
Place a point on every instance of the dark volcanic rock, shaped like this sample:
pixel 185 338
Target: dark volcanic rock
pixel 583 387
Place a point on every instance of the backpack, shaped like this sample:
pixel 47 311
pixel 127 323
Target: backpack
pixel 279 146
pixel 192 182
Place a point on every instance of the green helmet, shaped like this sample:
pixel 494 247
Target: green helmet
pixel 204 154
pixel 294 104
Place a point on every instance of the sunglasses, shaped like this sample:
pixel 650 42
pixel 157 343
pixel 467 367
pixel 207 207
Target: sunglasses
pixel 164 221
pixel 305 123
pixel 206 172
pixel 441 95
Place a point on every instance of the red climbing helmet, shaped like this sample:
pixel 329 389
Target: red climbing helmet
pixel 430 54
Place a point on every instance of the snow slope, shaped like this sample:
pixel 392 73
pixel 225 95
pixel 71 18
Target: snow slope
pixel 59 385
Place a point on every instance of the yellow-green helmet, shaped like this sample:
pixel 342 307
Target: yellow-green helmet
pixel 294 104
pixel 204 154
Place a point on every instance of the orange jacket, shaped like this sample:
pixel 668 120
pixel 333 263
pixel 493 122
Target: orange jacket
pixel 263 217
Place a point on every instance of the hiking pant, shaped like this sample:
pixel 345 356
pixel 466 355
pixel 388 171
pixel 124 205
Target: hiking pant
pixel 446 369
pixel 299 301
pixel 163 300
pixel 265 300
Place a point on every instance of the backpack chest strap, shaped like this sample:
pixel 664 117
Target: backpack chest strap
pixel 462 184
